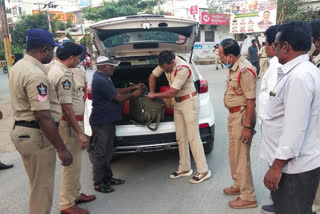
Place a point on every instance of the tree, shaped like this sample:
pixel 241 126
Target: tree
pixel 119 8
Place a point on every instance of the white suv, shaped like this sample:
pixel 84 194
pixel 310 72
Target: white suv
pixel 136 41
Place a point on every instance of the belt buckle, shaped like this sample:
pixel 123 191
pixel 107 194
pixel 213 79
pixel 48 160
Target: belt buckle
pixel 177 99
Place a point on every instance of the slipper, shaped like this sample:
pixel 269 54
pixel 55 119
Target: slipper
pixel 115 181
pixel 103 188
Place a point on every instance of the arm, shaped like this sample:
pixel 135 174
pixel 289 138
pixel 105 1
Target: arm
pixel 85 91
pixel 123 97
pixel 71 118
pixel 50 130
pixel 152 83
pixel 172 92
pixel 125 90
pixel 272 178
pixel 247 130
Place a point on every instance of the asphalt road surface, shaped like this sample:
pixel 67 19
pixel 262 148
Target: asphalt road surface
pixel 148 189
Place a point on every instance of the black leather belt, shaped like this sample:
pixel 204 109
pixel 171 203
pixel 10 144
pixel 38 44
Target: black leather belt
pixel 29 124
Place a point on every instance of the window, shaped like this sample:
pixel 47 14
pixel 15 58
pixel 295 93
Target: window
pixel 209 36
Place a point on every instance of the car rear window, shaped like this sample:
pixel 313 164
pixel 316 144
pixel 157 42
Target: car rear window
pixel 144 36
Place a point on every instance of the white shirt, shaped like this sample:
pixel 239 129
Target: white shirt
pixel 268 83
pixel 291 122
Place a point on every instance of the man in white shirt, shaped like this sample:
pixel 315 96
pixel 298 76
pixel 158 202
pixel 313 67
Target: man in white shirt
pixel 268 83
pixel 291 123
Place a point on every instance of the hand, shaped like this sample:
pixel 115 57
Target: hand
pixel 137 93
pixel 246 135
pixel 272 178
pixel 151 95
pixel 85 97
pixel 0 114
pixel 65 156
pixel 83 141
pixel 140 86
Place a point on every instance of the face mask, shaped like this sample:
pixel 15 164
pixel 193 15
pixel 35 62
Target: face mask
pixel 228 65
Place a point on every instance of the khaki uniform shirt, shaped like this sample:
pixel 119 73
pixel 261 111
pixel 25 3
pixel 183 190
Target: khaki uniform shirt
pixel 80 80
pixel 312 50
pixel 316 60
pixel 263 53
pixel 63 81
pixel 237 94
pixel 181 81
pixel 31 90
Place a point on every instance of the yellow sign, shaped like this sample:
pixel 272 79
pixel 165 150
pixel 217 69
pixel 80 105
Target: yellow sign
pixel 59 15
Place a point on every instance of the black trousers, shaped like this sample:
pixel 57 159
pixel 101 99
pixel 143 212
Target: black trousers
pixel 257 65
pixel 296 192
pixel 103 140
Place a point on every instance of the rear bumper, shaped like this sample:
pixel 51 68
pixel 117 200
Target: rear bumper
pixel 156 142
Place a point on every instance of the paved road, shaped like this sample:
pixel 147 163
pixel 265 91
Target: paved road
pixel 148 189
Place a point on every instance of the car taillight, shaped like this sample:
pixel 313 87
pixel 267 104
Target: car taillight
pixel 89 92
pixel 203 86
pixel 203 125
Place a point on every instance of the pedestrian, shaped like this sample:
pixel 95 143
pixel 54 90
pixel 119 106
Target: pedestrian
pixel 106 111
pixel 290 128
pixel 263 60
pixel 2 165
pixel 268 83
pixel 71 126
pixel 315 25
pixel 36 113
pixel 216 56
pixel 239 99
pixel 186 114
pixel 253 55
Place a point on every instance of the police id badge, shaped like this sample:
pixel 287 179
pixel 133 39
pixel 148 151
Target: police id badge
pixel 42 95
pixel 66 85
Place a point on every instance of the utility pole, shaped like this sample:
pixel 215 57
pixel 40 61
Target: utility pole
pixel 5 33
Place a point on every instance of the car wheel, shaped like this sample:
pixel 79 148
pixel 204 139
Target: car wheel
pixel 208 146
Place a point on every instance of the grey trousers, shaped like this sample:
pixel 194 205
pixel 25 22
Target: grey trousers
pixel 103 140
pixel 296 192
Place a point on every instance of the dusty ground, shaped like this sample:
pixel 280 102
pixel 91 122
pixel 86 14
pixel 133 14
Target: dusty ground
pixel 5 126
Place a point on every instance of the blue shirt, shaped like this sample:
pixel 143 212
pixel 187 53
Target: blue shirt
pixel 253 53
pixel 104 109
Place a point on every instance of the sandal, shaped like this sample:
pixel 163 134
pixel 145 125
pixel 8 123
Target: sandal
pixel 115 181
pixel 103 188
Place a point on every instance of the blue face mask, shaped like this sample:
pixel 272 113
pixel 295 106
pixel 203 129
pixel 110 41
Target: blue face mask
pixel 228 65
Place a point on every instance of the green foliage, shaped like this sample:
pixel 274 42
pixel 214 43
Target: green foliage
pixel 119 8
pixel 18 34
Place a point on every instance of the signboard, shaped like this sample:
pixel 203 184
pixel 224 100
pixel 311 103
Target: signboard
pixel 214 18
pixel 252 16
pixel 59 15
pixel 84 3
pixel 194 10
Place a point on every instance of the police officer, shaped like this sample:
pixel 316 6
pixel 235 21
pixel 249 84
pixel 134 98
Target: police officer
pixel 263 60
pixel 239 99
pixel 36 114
pixel 71 126
pixel 216 56
pixel 2 165
pixel 80 79
pixel 186 113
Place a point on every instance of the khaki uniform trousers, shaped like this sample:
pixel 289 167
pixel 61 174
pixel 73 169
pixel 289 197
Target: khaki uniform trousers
pixel 239 157
pixel 186 117
pixel 39 159
pixel 217 61
pixel 263 66
pixel 70 180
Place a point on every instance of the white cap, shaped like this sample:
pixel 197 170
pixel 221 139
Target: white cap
pixel 104 60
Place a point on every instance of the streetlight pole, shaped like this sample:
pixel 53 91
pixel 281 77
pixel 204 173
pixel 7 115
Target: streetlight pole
pixel 5 32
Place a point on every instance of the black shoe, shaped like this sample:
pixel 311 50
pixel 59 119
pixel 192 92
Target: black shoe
pixel 268 209
pixel 104 188
pixel 4 166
